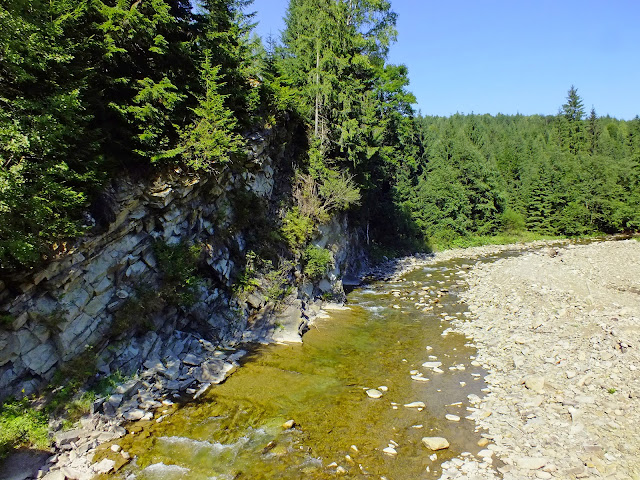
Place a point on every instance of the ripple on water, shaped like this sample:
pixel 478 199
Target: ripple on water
pixel 160 471
pixel 202 453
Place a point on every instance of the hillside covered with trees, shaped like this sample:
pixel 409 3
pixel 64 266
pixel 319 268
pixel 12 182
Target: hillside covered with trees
pixel 94 89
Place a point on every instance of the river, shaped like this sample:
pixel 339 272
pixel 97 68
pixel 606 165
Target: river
pixel 380 341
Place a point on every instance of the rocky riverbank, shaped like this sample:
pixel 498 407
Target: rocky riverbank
pixel 179 369
pixel 557 330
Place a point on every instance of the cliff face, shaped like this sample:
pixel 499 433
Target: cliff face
pixel 76 306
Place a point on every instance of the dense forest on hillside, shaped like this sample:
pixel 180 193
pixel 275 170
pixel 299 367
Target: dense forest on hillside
pixel 90 89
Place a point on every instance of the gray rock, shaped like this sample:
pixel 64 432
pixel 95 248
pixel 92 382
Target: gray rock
pixel 254 300
pixel 63 438
pixel 27 341
pixel 41 359
pixel 191 359
pixel 133 415
pixel 325 285
pixel 98 303
pixel 104 466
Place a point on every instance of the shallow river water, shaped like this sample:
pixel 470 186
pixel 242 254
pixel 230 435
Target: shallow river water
pixel 388 330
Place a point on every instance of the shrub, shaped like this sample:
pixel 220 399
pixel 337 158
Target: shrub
pixel 316 261
pixel 22 425
pixel 512 221
pixel 296 228
pixel 178 264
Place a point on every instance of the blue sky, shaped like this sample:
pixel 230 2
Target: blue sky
pixel 511 56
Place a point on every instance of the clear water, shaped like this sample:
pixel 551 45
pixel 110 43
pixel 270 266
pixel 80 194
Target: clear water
pixel 235 431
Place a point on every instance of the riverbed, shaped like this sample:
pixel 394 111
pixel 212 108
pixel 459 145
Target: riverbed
pixel 393 337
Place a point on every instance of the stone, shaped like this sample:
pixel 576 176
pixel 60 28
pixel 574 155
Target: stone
pixel 41 359
pixel 133 415
pixel 66 437
pixel 483 442
pixel 531 463
pixel 288 424
pixel 98 304
pixel 254 300
pixel 104 466
pixel 55 475
pixel 435 443
pixel 431 364
pixel 212 371
pixel 535 383
pixel 390 451
pixel 373 393
pixel 415 405
pixel 452 418
pixel 485 453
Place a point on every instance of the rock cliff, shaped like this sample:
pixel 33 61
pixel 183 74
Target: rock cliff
pixel 69 310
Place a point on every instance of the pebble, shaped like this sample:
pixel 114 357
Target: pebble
pixel 415 405
pixel 288 424
pixel 390 451
pixel 452 418
pixel 373 393
pixel 435 443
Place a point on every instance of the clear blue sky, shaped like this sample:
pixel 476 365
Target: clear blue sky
pixel 511 56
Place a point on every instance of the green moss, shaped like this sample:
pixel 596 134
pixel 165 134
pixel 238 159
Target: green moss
pixel 6 321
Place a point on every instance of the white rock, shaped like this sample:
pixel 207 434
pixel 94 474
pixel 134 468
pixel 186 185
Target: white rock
pixel 390 451
pixel 531 463
pixel 415 405
pixel 435 443
pixel 373 393
pixel 104 466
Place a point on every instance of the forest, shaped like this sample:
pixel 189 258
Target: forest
pixel 94 89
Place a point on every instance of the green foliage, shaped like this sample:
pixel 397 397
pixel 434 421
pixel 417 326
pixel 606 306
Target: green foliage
pixel 90 89
pixel 278 283
pixel 512 221
pixel 484 175
pixel 455 241
pixel 316 262
pixel 22 425
pixel 211 140
pixel 178 264
pixel 68 380
pixel 247 281
pixel 296 228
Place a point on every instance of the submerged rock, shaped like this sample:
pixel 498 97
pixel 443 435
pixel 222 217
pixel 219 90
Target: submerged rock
pixel 373 393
